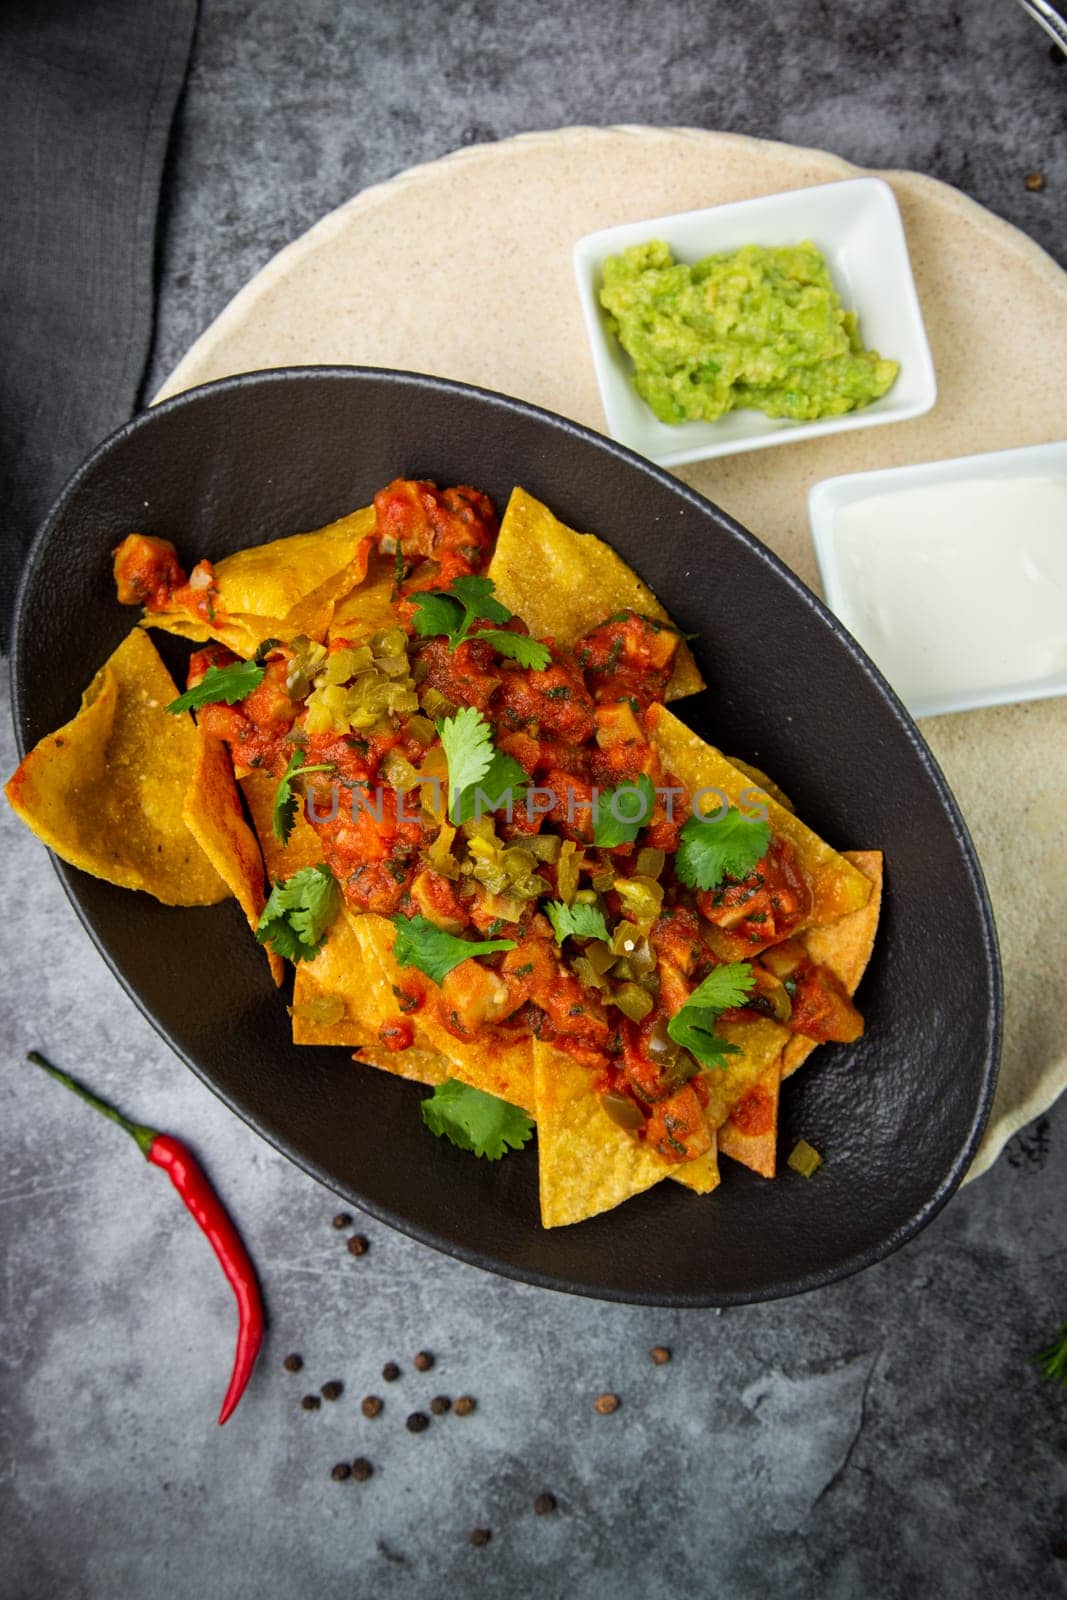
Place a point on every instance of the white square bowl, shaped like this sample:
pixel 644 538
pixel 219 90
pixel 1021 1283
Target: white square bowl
pixel 856 224
pixel 983 610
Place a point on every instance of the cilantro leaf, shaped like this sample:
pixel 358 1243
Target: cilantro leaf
pixel 228 684
pixel 517 647
pixel 724 987
pixel 436 612
pixel 285 799
pixel 1053 1360
pixel 475 1121
pixel 632 801
pixel 468 743
pixel 504 779
pixel 693 1027
pixel 298 913
pixel 420 943
pixel 454 611
pixel 584 922
pixel 714 848
pixel 695 1032
pixel 475 595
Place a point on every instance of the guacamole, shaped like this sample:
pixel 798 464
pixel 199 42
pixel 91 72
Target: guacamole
pixel 760 328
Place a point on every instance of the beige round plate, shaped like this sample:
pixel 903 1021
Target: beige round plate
pixel 462 268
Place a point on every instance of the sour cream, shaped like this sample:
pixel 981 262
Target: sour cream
pixel 958 588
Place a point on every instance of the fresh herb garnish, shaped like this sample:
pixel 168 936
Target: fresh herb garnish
pixel 285 799
pixel 298 913
pixel 505 780
pixel 480 777
pixel 420 943
pixel 714 848
pixel 454 611
pixel 475 1121
pixel 579 921
pixel 633 802
pixel 693 1027
pixel 226 684
pixel 517 647
pixel 1053 1361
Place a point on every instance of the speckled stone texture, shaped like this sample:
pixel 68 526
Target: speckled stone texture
pixel 881 1438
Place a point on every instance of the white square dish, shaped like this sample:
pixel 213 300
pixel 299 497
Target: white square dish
pixel 954 576
pixel 856 225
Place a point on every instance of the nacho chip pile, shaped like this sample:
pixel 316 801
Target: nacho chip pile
pixel 430 757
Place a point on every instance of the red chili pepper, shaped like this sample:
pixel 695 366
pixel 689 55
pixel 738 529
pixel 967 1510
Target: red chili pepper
pixel 188 1177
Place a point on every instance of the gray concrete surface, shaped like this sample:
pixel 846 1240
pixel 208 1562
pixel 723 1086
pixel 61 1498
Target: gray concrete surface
pixel 881 1438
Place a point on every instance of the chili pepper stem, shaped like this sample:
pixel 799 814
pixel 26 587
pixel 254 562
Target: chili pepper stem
pixel 145 1137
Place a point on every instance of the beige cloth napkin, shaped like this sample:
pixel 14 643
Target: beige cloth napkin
pixel 391 280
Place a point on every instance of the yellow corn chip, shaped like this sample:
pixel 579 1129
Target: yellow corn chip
pixel 837 886
pixel 701 1175
pixel 278 590
pixel 750 1133
pixel 586 1163
pixel 844 947
pixel 563 583
pixel 212 813
pixel 488 1063
pixel 304 848
pixel 367 608
pixel 272 580
pixel 418 1066
pixel 106 791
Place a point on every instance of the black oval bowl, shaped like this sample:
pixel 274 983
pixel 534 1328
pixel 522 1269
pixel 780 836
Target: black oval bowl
pixel 897 1115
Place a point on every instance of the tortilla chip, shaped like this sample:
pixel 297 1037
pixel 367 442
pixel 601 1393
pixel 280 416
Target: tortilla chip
pixel 586 1163
pixel 369 606
pixel 844 947
pixel 105 791
pixel 701 1175
pixel 339 971
pixel 750 1133
pixel 761 1044
pixel 304 848
pixel 278 590
pixel 273 580
pixel 212 813
pixel 837 886
pixel 564 583
pixel 761 781
pixel 489 1063
pixel 418 1066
